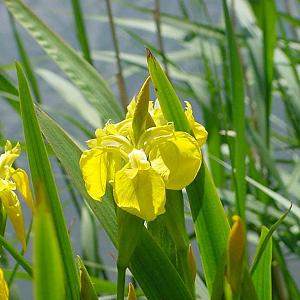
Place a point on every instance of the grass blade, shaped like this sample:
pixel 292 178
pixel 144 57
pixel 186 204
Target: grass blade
pixel 262 277
pixel 238 115
pixel 265 239
pixel 41 173
pixel 25 60
pixel 48 268
pixel 90 83
pixel 80 31
pixel 87 289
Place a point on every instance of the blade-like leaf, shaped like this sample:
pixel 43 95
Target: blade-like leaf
pixel 48 267
pixel 80 30
pixel 262 276
pixel 238 154
pixel 87 289
pixel 25 61
pixel 72 96
pixel 79 71
pixel 265 239
pixel 211 225
pixel 41 173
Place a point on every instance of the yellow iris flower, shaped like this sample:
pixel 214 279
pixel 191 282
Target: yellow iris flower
pixel 140 171
pixel 4 292
pixel 155 111
pixel 11 180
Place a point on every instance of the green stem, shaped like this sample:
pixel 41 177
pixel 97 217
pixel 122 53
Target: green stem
pixel 16 255
pixel 15 269
pixel 121 283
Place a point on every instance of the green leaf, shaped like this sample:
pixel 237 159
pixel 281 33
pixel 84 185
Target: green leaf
pixel 262 275
pixel 42 174
pixel 71 95
pixel 25 61
pixel 87 290
pixel 90 240
pixel 238 114
pixel 266 14
pixel 264 241
pixel 168 99
pixel 8 87
pixel 91 84
pixel 48 268
pixel 80 30
pixel 149 265
pixel 210 223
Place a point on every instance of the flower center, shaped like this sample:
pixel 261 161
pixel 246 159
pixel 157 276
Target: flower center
pixel 138 159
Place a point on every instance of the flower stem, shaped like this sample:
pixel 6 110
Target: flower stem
pixel 121 283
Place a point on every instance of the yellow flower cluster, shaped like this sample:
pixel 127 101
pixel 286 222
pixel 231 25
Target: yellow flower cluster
pixel 141 169
pixel 11 180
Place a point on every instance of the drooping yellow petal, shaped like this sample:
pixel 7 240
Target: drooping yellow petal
pixel 12 207
pixel 199 131
pixel 93 164
pixel 4 292
pixel 20 177
pixel 177 159
pixel 140 192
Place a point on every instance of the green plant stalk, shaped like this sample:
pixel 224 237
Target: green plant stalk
pixel 175 223
pixel 15 269
pixel 121 282
pixel 238 153
pixel 80 31
pixel 16 255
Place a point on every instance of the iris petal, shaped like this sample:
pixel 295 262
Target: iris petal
pixel 199 131
pixel 140 192
pixel 177 159
pixel 12 207
pixel 20 177
pixel 93 167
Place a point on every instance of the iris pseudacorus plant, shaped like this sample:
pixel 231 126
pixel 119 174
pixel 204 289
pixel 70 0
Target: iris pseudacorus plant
pixel 12 180
pixel 142 166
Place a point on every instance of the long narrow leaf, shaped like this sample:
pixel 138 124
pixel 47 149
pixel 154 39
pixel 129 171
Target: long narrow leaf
pixel 262 278
pixel 41 173
pixel 238 115
pixel 48 267
pixel 81 31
